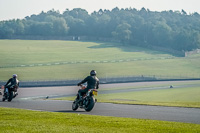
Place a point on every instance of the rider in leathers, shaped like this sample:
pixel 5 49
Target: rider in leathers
pixel 92 83
pixel 11 83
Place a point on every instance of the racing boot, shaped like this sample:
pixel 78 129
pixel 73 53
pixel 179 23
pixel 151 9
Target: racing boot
pixel 15 94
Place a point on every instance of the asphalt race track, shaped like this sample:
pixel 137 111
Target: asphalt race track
pixel 35 99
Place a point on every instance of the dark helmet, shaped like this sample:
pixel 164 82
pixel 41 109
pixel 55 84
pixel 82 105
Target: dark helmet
pixel 14 75
pixel 93 73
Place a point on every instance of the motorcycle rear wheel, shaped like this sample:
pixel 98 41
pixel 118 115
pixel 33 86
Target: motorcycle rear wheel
pixel 10 97
pixel 74 105
pixel 90 104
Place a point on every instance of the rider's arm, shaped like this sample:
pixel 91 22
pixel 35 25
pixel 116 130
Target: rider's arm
pixel 82 82
pixel 17 84
pixel 8 82
pixel 97 87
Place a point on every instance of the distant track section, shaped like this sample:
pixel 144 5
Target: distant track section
pixel 84 62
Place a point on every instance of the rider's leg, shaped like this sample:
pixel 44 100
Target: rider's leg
pixel 15 93
pixel 5 90
pixel 80 93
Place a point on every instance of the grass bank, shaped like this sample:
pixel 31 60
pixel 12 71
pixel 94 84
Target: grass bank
pixel 184 97
pixel 19 121
pixel 60 60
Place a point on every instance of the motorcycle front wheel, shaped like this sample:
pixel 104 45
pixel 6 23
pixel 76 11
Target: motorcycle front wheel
pixel 3 99
pixel 5 96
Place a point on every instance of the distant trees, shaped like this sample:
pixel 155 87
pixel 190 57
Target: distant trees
pixel 12 27
pixel 168 29
pixel 122 32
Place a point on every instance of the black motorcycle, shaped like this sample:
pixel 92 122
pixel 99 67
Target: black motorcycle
pixel 10 93
pixel 88 101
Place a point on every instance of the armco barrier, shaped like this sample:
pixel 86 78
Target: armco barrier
pixel 44 83
pixel 102 81
pixel 74 82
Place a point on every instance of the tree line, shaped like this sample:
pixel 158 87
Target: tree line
pixel 175 30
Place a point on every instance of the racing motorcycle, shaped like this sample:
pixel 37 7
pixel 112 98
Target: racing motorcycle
pixel 9 94
pixel 88 101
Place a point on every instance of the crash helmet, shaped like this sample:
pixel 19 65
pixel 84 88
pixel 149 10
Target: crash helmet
pixel 93 73
pixel 14 75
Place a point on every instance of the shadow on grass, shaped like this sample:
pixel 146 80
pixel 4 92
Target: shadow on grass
pixel 125 48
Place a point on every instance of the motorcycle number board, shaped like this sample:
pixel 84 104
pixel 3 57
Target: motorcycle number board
pixel 94 93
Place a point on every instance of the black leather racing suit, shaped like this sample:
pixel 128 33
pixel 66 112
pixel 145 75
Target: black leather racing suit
pixel 92 83
pixel 11 83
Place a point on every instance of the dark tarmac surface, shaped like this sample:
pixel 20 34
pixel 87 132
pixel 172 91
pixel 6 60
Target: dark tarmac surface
pixel 35 99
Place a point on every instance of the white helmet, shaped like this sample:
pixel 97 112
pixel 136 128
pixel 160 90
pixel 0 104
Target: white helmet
pixel 14 75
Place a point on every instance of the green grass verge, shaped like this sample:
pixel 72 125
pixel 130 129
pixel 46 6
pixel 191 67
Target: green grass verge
pixel 42 58
pixel 23 121
pixel 182 97
pixel 178 96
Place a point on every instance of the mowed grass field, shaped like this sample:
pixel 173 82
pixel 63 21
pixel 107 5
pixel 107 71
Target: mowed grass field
pixel 180 97
pixel 23 121
pixel 62 60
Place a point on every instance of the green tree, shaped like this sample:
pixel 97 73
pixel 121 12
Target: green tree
pixel 5 30
pixel 59 25
pixel 122 32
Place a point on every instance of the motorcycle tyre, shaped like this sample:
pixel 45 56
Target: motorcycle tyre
pixel 10 97
pixel 3 99
pixel 74 106
pixel 90 105
pixel 5 96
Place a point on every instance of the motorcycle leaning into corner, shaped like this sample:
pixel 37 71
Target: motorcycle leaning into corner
pixel 9 93
pixel 88 101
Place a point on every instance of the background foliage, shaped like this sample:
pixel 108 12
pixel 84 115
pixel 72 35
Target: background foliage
pixel 167 29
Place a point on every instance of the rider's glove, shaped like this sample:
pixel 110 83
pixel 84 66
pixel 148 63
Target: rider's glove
pixel 78 84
